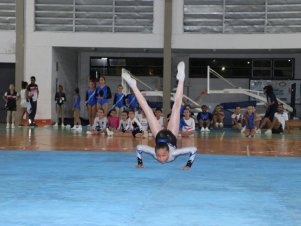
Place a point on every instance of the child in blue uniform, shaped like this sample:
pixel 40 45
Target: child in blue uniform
pixel 91 101
pixel 76 111
pixel 119 100
pixel 166 139
pixel 103 94
pixel 204 118
pixel 131 101
pixel 251 119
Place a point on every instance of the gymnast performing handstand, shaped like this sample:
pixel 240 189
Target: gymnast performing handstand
pixel 166 139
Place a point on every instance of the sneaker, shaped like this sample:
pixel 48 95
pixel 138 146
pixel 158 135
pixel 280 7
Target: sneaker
pixel 203 129
pixel 221 125
pixel 7 126
pixel 79 128
pixel 258 131
pixel 268 132
pixel 89 132
pixel 62 125
pixel 12 126
pixel 207 129
pixel 216 125
pixel 56 125
pixel 74 127
pixel 108 131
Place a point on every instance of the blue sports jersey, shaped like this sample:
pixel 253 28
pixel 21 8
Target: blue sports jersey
pixel 76 104
pixel 132 101
pixel 119 100
pixel 203 116
pixel 103 92
pixel 91 97
pixel 251 121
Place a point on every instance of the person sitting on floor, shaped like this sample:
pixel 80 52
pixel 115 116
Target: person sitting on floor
pixel 100 123
pixel 160 118
pixel 204 119
pixel 112 122
pixel 237 119
pixel 278 124
pixel 218 117
pixel 251 119
pixel 187 125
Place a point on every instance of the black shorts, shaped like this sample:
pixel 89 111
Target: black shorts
pixel 278 130
pixel 136 131
pixel 166 136
pixel 11 107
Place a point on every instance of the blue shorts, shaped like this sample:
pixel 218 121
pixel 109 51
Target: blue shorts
pixel 102 101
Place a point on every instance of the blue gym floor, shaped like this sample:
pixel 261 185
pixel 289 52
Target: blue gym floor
pixel 83 188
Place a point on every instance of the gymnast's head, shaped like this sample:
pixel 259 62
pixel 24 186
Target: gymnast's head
pixel 162 152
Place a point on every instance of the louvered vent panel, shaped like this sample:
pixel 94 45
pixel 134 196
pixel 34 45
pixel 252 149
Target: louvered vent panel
pixel 7 14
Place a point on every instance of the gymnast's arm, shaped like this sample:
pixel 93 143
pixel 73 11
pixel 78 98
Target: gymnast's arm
pixel 146 149
pixel 187 150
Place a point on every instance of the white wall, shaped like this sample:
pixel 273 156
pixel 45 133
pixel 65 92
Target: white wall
pixel 7 46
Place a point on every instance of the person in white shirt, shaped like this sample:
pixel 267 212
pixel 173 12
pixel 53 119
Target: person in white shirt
pixel 100 123
pixel 144 123
pixel 134 125
pixel 237 119
pixel 160 118
pixel 123 125
pixel 278 124
pixel 187 124
pixel 165 149
pixel 24 103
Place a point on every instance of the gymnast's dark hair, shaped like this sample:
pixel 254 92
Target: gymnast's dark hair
pixel 161 145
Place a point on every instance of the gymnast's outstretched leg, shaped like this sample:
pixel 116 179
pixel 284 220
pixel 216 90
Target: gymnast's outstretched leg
pixel 174 121
pixel 152 121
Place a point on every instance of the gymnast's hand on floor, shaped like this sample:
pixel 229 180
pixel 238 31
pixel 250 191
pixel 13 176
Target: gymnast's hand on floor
pixel 185 168
pixel 139 166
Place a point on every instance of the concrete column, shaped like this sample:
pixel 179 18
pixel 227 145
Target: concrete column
pixel 167 56
pixel 19 76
